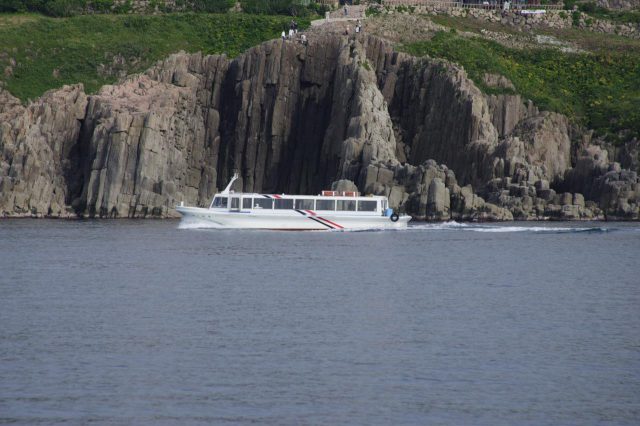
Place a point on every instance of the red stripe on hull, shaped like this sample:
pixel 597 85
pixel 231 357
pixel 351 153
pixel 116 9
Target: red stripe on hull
pixel 332 223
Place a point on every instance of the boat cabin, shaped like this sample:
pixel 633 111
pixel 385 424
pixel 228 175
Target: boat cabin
pixel 332 201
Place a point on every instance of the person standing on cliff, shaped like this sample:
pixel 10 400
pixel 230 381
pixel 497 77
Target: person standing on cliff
pixel 284 36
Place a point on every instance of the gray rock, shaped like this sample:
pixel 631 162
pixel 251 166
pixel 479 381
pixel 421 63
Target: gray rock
pixel 438 202
pixel 542 184
pixel 344 185
pixel 566 199
pixel 38 152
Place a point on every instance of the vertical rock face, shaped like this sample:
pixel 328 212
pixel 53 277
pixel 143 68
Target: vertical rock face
pixel 275 110
pixel 294 118
pixel 141 154
pixel 145 142
pixel 439 113
pixel 37 151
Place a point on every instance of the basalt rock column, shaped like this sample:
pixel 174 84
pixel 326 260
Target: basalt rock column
pixel 37 145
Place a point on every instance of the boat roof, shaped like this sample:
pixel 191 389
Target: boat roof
pixel 290 196
pixel 325 194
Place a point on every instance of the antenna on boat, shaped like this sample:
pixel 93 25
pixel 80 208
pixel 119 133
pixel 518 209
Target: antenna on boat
pixel 233 179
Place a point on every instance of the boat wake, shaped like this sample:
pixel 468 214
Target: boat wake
pixel 493 228
pixel 543 229
pixel 193 223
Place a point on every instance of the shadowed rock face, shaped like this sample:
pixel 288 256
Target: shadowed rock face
pixel 292 118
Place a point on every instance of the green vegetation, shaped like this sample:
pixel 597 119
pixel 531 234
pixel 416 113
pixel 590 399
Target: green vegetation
pixel 282 7
pixel 599 12
pixel 373 11
pixel 586 40
pixel 600 90
pixel 38 53
pixel 78 7
pixel 61 8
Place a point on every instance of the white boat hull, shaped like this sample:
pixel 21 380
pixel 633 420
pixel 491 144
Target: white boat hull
pixel 288 219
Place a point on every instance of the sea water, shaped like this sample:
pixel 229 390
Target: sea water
pixel 142 322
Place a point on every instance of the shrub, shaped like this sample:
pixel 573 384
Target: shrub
pixel 61 8
pixel 591 8
pixel 373 11
pixel 12 6
pixel 281 7
pixel 103 6
pixel 575 16
pixel 124 7
pixel 213 6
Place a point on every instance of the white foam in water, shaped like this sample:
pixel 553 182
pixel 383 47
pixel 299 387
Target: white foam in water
pixel 442 226
pixel 501 229
pixel 192 223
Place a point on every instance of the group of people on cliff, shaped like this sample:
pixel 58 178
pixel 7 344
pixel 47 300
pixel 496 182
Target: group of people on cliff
pixel 358 28
pixel 293 32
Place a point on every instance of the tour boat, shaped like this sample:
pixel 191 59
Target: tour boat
pixel 338 210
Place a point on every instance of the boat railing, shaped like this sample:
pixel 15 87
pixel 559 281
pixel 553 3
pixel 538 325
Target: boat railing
pixel 326 193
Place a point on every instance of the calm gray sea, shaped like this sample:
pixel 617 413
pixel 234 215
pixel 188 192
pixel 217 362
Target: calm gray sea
pixel 143 323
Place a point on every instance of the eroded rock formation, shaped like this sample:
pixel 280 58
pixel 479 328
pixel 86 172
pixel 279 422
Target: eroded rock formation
pixel 296 118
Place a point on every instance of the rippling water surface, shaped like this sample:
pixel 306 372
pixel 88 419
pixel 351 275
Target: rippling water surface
pixel 140 322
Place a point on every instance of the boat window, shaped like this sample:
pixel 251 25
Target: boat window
pixel 284 203
pixel 220 202
pixel 325 204
pixel 262 203
pixel 305 204
pixel 367 206
pixel 235 203
pixel 347 205
pixel 246 203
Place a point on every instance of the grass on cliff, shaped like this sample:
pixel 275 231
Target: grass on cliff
pixel 586 40
pixel 600 90
pixel 39 53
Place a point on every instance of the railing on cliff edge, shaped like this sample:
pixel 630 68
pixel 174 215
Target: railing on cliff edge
pixel 480 5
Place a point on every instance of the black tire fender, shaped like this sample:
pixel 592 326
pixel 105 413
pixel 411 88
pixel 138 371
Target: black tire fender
pixel 394 217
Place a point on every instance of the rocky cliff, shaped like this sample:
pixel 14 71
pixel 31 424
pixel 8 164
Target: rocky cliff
pixel 296 118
